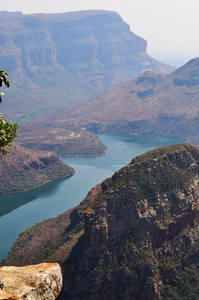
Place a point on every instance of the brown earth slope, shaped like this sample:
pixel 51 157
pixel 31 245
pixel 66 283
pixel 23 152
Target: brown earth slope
pixel 140 238
pixel 165 105
pixel 24 169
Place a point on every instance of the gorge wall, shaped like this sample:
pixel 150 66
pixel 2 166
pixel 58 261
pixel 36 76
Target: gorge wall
pixel 81 52
pixel 135 235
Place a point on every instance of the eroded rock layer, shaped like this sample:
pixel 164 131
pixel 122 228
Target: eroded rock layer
pixel 67 57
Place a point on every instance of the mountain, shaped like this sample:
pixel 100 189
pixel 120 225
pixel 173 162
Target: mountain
pixel 164 105
pixel 135 235
pixel 24 169
pixel 58 59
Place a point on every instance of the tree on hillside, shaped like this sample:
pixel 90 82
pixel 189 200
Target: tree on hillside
pixel 8 131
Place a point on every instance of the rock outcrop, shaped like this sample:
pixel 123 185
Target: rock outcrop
pixel 141 234
pixel 37 282
pixel 81 52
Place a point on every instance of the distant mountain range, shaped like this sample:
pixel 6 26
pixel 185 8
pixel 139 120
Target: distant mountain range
pixel 164 105
pixel 58 59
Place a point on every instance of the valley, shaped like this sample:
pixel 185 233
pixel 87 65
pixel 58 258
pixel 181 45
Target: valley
pixel 140 225
pixel 99 120
pixel 55 60
pixel 22 210
pixel 152 104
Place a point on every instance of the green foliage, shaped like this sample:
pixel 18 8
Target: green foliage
pixel 184 286
pixel 8 131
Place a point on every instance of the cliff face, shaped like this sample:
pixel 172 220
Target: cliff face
pixel 84 52
pixel 154 198
pixel 38 282
pixel 140 238
pixel 141 231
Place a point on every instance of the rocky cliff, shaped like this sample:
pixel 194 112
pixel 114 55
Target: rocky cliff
pixel 141 237
pixel 38 282
pixel 67 57
pixel 163 105
pixel 24 169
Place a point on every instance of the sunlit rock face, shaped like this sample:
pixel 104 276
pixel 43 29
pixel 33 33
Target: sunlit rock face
pixel 36 282
pixel 85 52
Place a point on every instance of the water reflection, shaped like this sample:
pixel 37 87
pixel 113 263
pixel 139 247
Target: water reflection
pixel 9 202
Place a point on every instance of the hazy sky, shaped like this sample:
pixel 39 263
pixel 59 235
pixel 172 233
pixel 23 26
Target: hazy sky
pixel 171 27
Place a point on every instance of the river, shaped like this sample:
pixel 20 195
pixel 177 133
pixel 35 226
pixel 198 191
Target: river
pixel 21 210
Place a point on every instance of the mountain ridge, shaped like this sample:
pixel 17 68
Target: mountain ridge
pixel 68 57
pixel 154 104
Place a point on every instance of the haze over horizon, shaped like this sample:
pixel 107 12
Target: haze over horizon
pixel 169 27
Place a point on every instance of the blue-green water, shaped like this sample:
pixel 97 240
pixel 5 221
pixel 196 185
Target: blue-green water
pixel 21 210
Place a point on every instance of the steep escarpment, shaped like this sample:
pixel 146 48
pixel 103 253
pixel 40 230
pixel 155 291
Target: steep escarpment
pixel 141 237
pixel 141 231
pixel 81 52
pixel 51 240
pixel 24 169
pixel 164 105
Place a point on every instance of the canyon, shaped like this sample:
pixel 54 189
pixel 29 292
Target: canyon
pixel 55 60
pixel 133 235
pixel 151 104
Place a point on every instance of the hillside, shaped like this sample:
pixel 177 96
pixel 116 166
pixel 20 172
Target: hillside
pixel 134 236
pixel 153 104
pixel 61 141
pixel 24 169
pixel 58 59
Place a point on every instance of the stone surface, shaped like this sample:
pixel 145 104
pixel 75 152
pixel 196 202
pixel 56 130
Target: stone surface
pixel 36 282
pixel 6 296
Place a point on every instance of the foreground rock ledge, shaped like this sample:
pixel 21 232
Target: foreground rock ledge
pixel 34 282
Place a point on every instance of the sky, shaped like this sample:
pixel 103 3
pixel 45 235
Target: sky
pixel 171 27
